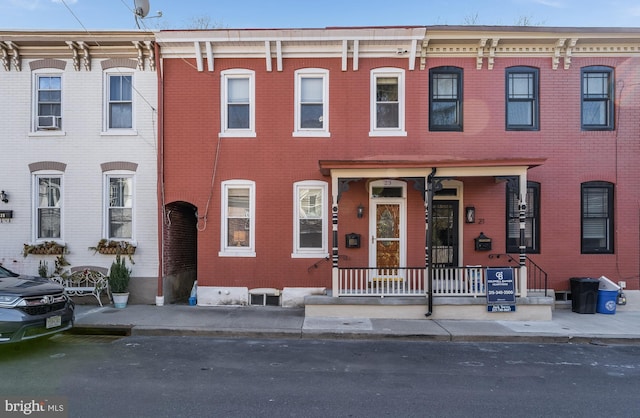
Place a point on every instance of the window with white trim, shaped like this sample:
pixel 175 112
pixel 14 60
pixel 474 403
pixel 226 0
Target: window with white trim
pixel 119 100
pixel 387 102
pixel 48 102
pixel 311 112
pixel 237 103
pixel 238 219
pixel 48 206
pixel 310 219
pixel 118 212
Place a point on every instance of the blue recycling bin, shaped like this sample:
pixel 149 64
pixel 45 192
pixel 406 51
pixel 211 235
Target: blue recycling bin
pixel 607 301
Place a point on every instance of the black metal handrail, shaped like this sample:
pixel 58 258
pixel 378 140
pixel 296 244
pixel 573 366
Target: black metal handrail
pixel 537 278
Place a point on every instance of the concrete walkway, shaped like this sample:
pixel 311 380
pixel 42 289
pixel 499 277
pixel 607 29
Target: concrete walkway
pixel 566 326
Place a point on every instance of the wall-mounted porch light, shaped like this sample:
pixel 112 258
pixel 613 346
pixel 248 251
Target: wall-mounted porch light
pixel 360 211
pixel 4 197
pixel 470 215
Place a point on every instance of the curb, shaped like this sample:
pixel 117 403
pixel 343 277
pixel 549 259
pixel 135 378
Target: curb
pixel 125 330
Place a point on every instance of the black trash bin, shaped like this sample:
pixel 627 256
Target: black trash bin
pixel 584 295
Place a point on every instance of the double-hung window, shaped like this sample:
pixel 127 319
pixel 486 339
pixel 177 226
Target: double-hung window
pixel 238 103
pixel 48 102
pixel 387 102
pixel 597 217
pixel 48 206
pixel 522 99
pixel 311 102
pixel 119 97
pixel 310 219
pixel 238 219
pixel 597 98
pixel 445 99
pixel 119 198
pixel 532 218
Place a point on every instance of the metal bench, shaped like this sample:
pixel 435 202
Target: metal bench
pixel 85 281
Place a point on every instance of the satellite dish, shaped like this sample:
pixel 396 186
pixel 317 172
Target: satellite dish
pixel 141 8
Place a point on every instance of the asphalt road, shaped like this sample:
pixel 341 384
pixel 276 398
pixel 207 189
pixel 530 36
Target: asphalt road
pixel 208 377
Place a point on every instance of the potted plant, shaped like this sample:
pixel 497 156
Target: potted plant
pixel 119 276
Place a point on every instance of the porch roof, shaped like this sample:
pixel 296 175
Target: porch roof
pixel 424 162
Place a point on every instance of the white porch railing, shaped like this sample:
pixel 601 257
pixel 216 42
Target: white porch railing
pixel 413 281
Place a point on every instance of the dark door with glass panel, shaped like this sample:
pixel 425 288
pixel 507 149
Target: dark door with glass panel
pixel 445 233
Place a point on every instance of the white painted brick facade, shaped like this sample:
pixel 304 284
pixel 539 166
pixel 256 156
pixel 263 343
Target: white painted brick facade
pixel 82 147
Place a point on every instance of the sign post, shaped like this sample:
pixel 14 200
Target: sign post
pixel 501 295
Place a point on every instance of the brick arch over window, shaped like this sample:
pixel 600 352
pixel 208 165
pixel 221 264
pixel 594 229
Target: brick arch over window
pixel 119 62
pixel 118 165
pixel 47 63
pixel 47 165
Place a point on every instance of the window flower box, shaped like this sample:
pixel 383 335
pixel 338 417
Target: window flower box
pixel 113 247
pixel 44 248
pixel 127 250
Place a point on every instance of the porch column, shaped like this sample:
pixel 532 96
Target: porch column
pixel 522 215
pixel 335 283
pixel 428 204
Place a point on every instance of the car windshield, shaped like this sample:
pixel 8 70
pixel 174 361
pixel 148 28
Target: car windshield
pixel 6 273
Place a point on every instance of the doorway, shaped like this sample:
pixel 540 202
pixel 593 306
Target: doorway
pixel 445 239
pixel 387 245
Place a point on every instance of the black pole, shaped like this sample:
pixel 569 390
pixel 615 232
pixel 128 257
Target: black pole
pixel 429 239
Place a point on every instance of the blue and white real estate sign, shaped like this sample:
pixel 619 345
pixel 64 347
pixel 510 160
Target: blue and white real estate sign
pixel 501 294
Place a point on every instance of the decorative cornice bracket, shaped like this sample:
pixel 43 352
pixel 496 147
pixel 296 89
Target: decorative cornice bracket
pixel 483 43
pixel 5 58
pixel 423 54
pixel 10 49
pixel 558 53
pixel 148 46
pixel 152 55
pixel 86 58
pixel 75 55
pixel 139 48
pixel 345 54
pixel 356 55
pixel 569 52
pixel 492 52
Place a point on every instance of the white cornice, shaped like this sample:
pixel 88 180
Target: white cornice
pixel 485 44
pixel 343 43
pixel 79 47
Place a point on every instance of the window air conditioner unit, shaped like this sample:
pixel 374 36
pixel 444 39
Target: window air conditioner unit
pixel 49 122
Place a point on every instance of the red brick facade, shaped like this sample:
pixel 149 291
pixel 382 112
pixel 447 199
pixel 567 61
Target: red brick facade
pixel 197 161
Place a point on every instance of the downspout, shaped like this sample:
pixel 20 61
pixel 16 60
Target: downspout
pixel 160 175
pixel 428 253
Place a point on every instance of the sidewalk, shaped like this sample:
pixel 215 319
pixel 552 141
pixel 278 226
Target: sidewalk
pixel 623 327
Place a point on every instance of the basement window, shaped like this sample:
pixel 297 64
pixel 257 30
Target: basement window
pixel 264 297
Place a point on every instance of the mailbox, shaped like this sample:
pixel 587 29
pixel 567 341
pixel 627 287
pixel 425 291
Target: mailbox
pixel 352 240
pixel 483 242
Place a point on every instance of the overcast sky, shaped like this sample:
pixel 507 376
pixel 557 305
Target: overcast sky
pixel 177 14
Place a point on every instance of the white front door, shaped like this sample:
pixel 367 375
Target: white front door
pixel 387 230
